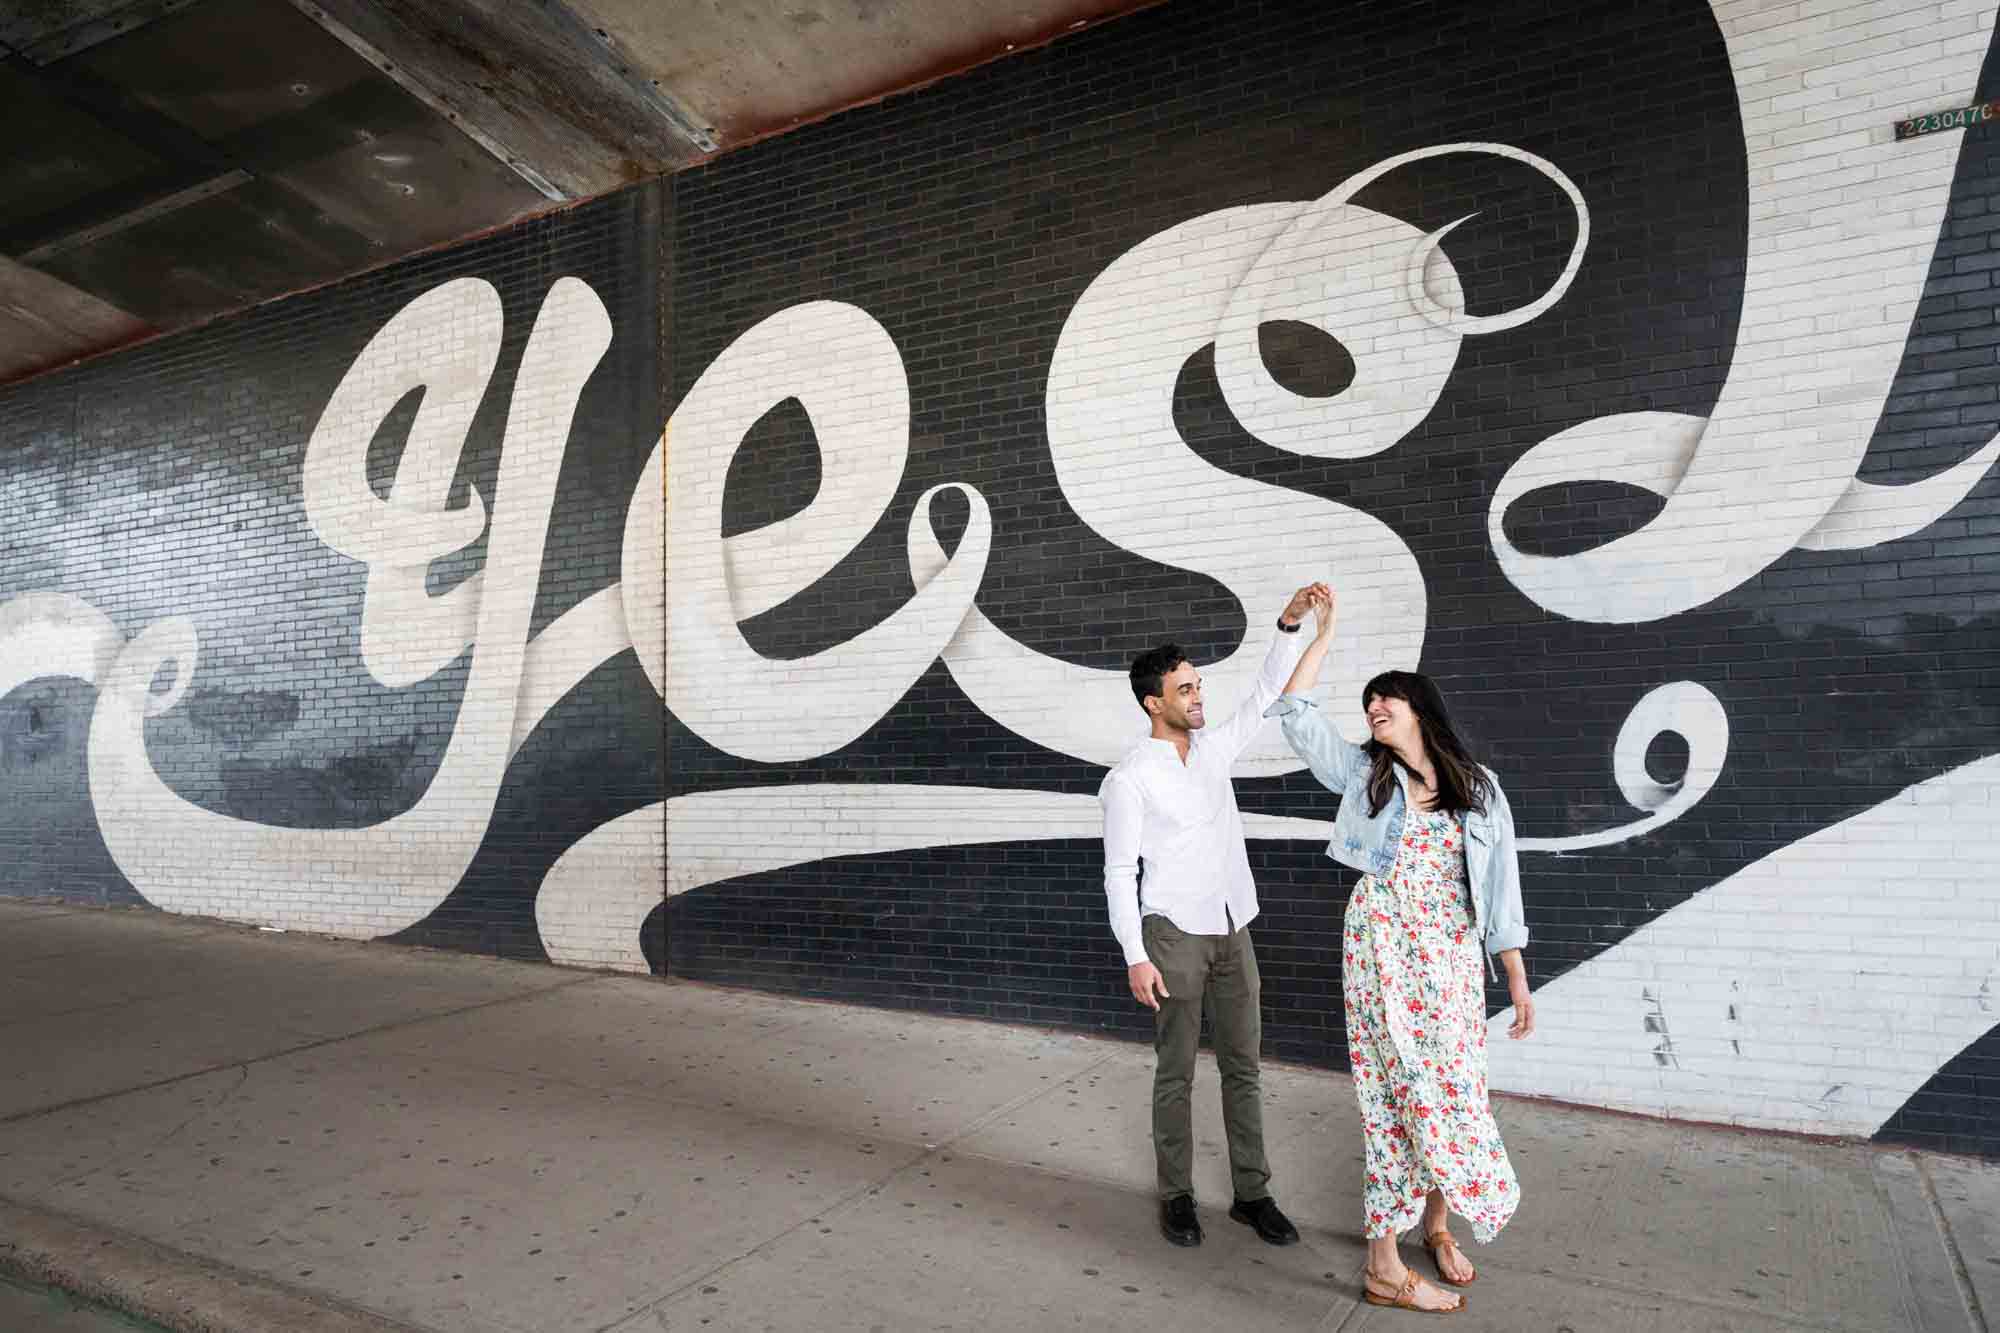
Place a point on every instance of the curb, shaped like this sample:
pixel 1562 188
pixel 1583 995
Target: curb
pixel 178 1291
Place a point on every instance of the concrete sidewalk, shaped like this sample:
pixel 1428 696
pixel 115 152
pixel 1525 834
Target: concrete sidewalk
pixel 219 1128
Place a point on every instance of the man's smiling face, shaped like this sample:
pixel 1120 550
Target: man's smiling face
pixel 1180 699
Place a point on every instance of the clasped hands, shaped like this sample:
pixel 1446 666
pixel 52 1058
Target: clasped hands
pixel 1318 598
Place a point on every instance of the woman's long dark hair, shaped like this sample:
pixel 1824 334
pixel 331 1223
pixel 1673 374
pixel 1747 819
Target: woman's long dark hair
pixel 1462 784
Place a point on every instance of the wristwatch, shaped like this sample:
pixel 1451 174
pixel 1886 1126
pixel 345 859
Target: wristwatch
pixel 1289 629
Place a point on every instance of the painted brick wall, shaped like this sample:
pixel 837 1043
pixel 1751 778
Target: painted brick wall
pixel 1700 535
pixel 262 524
pixel 1613 360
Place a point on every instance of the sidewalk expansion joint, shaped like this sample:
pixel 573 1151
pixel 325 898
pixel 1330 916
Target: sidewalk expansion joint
pixel 1486 1261
pixel 17 1117
pixel 925 1152
pixel 1350 1318
pixel 1640 1291
pixel 101 1006
pixel 146 1150
pixel 1959 1273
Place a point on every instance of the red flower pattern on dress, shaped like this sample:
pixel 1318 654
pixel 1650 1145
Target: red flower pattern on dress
pixel 1416 1023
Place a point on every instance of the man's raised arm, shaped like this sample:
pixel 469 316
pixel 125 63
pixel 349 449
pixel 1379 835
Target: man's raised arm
pixel 1233 734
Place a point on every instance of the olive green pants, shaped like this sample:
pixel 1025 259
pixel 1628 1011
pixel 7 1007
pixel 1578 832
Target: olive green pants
pixel 1221 969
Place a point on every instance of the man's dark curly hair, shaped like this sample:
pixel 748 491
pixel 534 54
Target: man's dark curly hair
pixel 1150 668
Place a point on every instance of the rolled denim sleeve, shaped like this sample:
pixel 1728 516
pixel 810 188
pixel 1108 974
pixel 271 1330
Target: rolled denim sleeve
pixel 1333 759
pixel 1506 920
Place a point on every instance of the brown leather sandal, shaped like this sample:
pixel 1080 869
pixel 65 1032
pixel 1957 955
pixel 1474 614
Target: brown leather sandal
pixel 1406 1295
pixel 1442 1240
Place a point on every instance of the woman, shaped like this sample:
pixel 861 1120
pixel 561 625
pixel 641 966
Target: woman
pixel 1431 831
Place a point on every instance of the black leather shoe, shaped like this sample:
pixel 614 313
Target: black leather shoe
pixel 1263 1215
pixel 1178 1222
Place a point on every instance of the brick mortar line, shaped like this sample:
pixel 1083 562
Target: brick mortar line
pixel 1960 1275
pixel 19 1117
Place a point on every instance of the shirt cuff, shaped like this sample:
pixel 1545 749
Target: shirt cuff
pixel 1135 954
pixel 1287 704
pixel 1513 937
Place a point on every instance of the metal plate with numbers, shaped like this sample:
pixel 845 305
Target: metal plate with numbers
pixel 1964 117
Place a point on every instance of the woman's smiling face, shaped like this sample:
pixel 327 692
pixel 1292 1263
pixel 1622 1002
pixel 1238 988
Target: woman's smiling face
pixel 1391 721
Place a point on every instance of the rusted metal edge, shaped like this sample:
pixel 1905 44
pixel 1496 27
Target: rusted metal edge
pixel 415 87
pixel 589 37
pixel 940 71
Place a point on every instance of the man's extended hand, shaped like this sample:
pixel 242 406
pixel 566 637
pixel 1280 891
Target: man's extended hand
pixel 1145 979
pixel 1302 602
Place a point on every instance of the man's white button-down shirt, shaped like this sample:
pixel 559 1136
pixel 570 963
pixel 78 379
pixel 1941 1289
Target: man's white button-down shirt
pixel 1181 820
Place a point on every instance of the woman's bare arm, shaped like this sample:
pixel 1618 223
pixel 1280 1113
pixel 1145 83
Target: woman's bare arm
pixel 1306 674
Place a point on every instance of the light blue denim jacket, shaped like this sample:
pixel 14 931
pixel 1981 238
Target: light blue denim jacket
pixel 1369 843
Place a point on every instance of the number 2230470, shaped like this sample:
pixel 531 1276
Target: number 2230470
pixel 1963 118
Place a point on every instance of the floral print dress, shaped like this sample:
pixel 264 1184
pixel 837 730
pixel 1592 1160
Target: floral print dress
pixel 1416 1035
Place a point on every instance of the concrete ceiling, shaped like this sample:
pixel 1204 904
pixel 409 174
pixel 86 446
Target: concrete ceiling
pixel 173 160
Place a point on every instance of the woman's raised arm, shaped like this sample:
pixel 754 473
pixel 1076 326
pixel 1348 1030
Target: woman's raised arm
pixel 1306 674
pixel 1333 759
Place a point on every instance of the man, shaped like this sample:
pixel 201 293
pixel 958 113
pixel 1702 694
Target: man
pixel 1186 936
